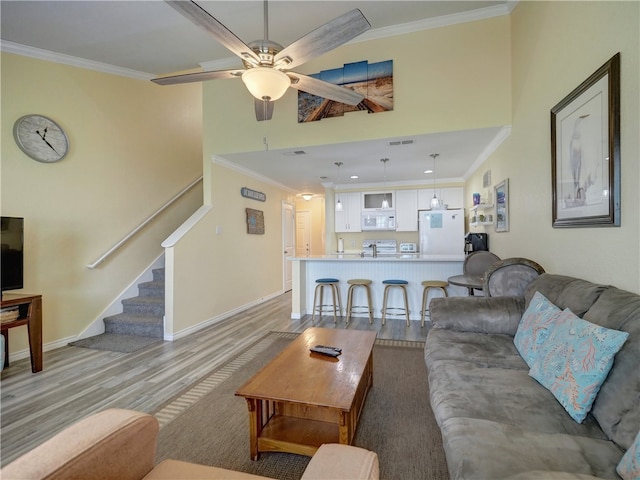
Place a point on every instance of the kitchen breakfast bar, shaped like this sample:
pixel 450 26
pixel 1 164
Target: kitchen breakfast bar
pixel 414 268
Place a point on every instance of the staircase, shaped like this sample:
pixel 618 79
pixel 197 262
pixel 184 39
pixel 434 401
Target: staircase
pixel 142 315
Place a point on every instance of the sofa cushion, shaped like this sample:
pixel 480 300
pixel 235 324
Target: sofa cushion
pixel 510 396
pixel 333 461
pixel 477 314
pixel 479 349
pixel 574 361
pixel 565 292
pixel 481 449
pixel 533 329
pixel 617 406
pixel 629 466
pixel 174 469
pixel 114 443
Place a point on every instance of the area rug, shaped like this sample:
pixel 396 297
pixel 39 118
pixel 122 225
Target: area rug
pixel 115 342
pixel 208 424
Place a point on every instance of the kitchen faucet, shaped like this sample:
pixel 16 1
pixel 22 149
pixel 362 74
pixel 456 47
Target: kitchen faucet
pixel 375 249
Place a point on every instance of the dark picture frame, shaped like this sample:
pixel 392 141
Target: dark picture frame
pixel 585 152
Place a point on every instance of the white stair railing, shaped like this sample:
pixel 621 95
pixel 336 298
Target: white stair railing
pixel 128 237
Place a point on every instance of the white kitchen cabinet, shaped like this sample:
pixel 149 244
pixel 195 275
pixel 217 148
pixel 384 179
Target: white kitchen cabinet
pixel 407 210
pixel 348 220
pixel 452 196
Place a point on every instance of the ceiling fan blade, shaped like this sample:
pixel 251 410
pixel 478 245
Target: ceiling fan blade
pixel 323 39
pixel 199 16
pixel 324 89
pixel 197 77
pixel 264 110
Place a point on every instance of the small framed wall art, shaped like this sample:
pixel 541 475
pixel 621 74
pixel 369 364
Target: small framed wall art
pixel 585 152
pixel 502 206
pixel 255 221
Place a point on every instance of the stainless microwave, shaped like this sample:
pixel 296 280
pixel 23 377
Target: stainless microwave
pixel 382 219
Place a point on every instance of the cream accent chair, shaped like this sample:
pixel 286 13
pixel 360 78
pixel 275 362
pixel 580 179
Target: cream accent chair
pixel 121 444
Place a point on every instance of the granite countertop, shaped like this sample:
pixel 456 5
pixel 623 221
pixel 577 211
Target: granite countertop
pixel 400 257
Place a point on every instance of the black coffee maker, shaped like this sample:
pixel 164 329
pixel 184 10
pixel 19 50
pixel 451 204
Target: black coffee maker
pixel 476 241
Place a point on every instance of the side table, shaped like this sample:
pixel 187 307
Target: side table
pixel 30 307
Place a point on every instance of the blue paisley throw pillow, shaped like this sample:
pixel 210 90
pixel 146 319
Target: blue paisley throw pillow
pixel 629 466
pixel 532 330
pixel 575 360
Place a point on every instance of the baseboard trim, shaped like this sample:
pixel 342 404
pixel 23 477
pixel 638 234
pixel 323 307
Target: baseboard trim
pixel 26 353
pixel 220 318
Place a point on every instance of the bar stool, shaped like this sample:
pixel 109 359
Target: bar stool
pixel 332 283
pixel 428 285
pixel 353 284
pixel 389 284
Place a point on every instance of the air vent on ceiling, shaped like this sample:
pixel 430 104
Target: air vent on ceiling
pixel 400 142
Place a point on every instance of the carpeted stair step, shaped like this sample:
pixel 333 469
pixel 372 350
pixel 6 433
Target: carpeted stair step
pixel 158 275
pixel 151 289
pixel 147 306
pixel 142 325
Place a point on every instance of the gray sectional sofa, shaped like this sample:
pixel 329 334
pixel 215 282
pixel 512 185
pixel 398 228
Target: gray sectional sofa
pixel 498 422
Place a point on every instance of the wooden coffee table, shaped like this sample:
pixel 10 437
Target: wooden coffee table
pixel 301 399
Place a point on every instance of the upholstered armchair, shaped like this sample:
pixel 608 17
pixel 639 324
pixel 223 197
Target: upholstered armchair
pixel 510 277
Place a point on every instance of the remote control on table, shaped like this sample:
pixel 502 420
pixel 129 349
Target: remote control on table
pixel 332 348
pixel 326 351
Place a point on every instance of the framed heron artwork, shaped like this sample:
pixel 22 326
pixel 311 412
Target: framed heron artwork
pixel 585 152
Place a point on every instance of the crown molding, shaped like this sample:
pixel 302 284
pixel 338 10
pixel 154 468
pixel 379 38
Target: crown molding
pixel 232 62
pixel 401 29
pixel 437 22
pixel 500 137
pixel 41 54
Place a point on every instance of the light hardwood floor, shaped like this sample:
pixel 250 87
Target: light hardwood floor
pixel 76 382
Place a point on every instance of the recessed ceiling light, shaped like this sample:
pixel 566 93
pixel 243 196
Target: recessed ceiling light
pixel 428 171
pixel 354 177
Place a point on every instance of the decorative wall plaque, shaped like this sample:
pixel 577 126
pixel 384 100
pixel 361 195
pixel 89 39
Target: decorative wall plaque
pixel 253 194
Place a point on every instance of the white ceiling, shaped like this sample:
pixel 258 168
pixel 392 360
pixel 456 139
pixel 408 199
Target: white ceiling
pixel 144 39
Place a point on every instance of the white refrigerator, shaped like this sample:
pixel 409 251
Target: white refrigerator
pixel 441 232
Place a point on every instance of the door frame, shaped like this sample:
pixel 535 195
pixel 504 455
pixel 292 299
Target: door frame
pixel 287 280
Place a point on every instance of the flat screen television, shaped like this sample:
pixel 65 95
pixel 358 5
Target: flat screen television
pixel 12 240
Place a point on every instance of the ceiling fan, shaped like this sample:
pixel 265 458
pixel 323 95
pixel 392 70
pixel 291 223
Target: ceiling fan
pixel 266 73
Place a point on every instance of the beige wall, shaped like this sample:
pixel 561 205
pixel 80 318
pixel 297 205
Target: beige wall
pixel 555 47
pixel 217 268
pixel 133 145
pixel 445 79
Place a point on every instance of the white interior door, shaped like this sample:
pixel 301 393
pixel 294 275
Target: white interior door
pixel 303 234
pixel 288 243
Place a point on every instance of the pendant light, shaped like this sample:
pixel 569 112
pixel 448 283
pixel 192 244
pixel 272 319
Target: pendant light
pixel 338 203
pixel 436 203
pixel 385 202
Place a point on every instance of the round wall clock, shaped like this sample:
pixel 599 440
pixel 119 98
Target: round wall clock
pixel 41 138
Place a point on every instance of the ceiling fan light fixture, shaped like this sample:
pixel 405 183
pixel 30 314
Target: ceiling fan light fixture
pixel 266 83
